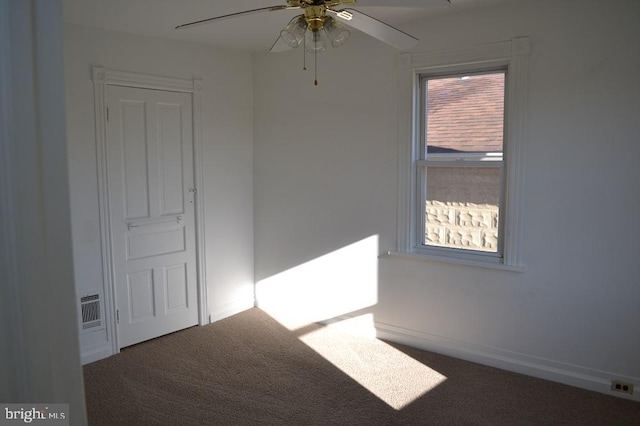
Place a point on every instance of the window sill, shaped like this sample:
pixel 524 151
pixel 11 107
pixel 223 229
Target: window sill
pixel 433 258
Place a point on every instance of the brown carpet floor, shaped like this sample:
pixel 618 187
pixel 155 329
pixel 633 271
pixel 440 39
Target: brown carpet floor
pixel 249 370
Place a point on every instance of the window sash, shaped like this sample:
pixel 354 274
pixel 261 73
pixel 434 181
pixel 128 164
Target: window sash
pixel 422 108
pixel 462 161
pixel 456 160
pixel 421 226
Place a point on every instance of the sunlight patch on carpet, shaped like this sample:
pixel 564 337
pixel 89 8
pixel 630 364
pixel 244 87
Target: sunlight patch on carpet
pixel 394 377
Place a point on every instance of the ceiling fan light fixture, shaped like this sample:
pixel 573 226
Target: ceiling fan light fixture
pixel 337 34
pixel 315 29
pixel 294 32
pixel 315 41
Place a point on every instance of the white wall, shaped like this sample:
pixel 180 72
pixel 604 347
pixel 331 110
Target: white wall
pixel 325 173
pixel 227 140
pixel 40 359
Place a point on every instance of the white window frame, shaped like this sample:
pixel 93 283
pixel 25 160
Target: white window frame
pixel 511 55
pixel 427 161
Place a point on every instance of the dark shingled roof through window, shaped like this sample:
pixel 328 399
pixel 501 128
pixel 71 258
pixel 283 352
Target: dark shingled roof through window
pixel 465 114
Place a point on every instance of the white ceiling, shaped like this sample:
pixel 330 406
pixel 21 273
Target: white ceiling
pixel 254 32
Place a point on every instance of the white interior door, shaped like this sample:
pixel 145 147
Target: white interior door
pixel 149 142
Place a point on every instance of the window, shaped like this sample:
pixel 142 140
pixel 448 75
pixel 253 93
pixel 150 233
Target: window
pixel 461 165
pixel 462 125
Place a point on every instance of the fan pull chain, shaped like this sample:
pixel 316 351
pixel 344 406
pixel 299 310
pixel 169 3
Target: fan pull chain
pixel 304 53
pixel 315 64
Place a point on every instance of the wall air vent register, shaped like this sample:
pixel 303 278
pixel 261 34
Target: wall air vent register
pixel 91 314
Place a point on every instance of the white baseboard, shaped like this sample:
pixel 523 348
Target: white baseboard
pixel 230 308
pixel 569 374
pixel 95 353
pixel 102 350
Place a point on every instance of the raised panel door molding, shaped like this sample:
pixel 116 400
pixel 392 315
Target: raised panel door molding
pixel 103 77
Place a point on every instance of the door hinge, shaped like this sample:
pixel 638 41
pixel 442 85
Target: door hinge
pixel 107 113
pixel 118 316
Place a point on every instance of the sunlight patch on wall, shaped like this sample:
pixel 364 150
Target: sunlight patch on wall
pixel 335 284
pixel 394 377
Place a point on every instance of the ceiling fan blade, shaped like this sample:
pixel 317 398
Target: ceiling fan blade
pixel 233 15
pixel 402 3
pixel 375 28
pixel 280 46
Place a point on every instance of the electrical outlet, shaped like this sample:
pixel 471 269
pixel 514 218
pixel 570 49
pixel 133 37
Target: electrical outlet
pixel 622 387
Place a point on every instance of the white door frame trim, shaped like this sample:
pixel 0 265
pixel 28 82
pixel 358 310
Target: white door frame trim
pixel 101 78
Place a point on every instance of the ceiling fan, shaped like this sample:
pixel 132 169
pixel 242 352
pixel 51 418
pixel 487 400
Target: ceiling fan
pixel 322 23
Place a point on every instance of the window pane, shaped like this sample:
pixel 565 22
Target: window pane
pixel 465 113
pixel 462 208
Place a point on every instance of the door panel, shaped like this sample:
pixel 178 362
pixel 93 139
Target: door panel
pixel 149 140
pixel 172 200
pixel 175 278
pixel 155 243
pixel 141 296
pixel 134 157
